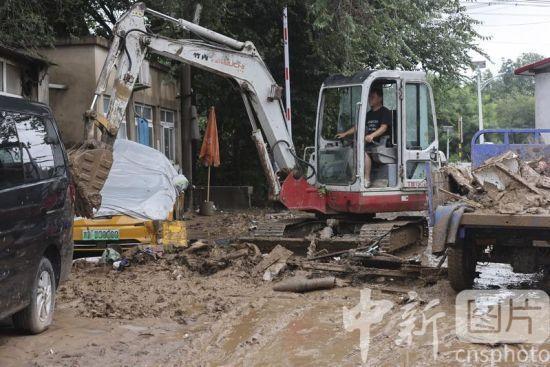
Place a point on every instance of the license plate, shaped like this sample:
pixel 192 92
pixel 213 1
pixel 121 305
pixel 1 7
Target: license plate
pixel 100 234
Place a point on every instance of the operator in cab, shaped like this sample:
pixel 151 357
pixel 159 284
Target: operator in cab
pixel 377 124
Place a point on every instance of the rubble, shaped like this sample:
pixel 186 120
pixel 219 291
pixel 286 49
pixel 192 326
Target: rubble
pixel 273 263
pixel 208 259
pixel 504 184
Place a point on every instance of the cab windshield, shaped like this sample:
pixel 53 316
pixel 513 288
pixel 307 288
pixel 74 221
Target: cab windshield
pixel 338 113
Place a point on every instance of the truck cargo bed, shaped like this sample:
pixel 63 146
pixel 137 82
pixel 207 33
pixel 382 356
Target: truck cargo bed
pixel 505 220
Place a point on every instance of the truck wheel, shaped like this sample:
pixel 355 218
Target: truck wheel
pixel 461 267
pixel 38 315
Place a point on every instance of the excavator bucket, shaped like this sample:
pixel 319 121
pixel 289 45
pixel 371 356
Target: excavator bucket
pixel 90 164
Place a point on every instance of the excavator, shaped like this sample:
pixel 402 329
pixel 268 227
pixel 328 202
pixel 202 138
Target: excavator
pixel 329 179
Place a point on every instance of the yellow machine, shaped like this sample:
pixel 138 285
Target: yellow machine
pixel 122 232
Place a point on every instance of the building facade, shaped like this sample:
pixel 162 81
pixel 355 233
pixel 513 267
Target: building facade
pixel 541 71
pixel 153 113
pixel 23 75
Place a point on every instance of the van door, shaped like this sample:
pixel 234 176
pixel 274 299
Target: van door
pixel 419 133
pixel 14 213
pixel 47 185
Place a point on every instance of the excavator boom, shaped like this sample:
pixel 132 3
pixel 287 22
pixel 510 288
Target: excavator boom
pixel 219 54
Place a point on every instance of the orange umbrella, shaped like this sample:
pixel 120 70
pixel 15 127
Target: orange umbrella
pixel 210 149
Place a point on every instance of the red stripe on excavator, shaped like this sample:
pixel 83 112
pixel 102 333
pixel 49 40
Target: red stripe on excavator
pixel 297 194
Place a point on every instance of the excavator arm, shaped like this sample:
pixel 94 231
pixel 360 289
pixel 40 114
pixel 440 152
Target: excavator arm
pixel 216 53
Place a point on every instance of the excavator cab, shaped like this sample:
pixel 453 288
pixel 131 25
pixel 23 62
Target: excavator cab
pixel 398 158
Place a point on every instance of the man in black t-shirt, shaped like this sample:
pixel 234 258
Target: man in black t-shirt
pixel 377 123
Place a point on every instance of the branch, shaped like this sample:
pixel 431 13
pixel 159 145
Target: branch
pixel 98 18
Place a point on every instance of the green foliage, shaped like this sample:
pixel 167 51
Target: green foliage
pixel 392 34
pixel 24 24
pixel 30 24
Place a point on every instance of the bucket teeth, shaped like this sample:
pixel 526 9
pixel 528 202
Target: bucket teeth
pixel 90 166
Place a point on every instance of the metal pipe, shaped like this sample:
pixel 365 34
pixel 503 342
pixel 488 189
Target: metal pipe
pixel 93 102
pixel 301 285
pixel 200 31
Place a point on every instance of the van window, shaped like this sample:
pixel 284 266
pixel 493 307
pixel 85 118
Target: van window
pixel 11 165
pixel 41 150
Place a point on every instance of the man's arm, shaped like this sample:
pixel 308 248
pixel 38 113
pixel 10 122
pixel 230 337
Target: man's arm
pixel 347 132
pixel 377 133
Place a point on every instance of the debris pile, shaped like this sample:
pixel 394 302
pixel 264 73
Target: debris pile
pixel 206 258
pixel 504 184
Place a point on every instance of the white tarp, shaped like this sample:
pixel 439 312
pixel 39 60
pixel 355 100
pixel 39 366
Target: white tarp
pixel 142 183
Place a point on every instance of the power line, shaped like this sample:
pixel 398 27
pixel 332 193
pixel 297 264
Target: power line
pixel 517 43
pixel 513 15
pixel 513 24
pixel 538 4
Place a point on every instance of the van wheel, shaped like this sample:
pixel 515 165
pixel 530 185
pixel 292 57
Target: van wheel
pixel 461 267
pixel 38 315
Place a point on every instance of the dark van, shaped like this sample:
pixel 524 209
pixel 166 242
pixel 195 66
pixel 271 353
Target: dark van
pixel 36 214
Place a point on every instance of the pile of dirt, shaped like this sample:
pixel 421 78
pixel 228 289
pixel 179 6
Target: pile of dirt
pixel 505 184
pixel 184 286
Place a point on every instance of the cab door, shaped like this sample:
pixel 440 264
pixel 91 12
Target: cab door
pixel 419 133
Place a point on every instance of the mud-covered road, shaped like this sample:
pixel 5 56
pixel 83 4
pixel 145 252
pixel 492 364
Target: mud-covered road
pixel 168 313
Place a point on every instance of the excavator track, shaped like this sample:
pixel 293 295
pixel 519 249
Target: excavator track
pixel 287 227
pixel 298 233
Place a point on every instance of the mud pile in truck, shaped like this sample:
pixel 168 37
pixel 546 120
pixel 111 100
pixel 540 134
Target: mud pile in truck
pixel 505 184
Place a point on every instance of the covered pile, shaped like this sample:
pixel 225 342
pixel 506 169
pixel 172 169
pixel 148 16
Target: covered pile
pixel 505 184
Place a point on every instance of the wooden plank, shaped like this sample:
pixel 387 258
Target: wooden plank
pixel 300 244
pixel 267 244
pixel 405 271
pixel 279 253
pixel 505 220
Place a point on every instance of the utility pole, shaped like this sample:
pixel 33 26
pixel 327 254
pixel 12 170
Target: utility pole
pixel 461 138
pixel 287 71
pixel 186 128
pixel 448 129
pixel 479 65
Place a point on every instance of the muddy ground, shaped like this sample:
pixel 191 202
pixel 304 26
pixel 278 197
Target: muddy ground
pixel 176 311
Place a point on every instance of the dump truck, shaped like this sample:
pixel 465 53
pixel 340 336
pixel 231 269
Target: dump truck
pixel 500 212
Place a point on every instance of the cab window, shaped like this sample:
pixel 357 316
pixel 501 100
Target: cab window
pixel 339 108
pixel 420 132
pixel 336 159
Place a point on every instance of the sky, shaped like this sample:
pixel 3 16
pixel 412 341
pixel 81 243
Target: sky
pixel 515 27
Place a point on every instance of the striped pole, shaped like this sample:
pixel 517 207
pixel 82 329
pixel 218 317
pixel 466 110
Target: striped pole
pixel 287 72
